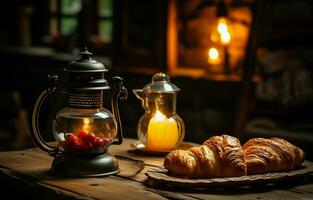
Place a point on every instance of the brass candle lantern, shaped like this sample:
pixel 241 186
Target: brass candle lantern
pixel 160 129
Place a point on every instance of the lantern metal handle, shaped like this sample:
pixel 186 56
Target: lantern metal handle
pixel 52 150
pixel 119 94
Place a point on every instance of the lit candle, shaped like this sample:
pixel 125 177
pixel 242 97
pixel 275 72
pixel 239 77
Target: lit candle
pixel 162 133
pixel 223 30
pixel 214 56
pixel 225 38
pixel 86 125
pixel 222 25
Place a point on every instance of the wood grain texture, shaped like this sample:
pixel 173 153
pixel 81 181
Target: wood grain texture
pixel 27 171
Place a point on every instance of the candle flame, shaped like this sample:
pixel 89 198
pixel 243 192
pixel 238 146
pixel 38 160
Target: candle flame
pixel 214 57
pixel 213 53
pixel 225 37
pixel 222 25
pixel 86 122
pixel 159 116
pixel 223 30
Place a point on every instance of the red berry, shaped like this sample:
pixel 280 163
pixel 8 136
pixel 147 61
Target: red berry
pixel 84 146
pixel 89 139
pixel 82 134
pixel 98 143
pixel 101 143
pixel 72 143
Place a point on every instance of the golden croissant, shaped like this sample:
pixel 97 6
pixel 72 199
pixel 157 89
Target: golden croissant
pixel 219 156
pixel 271 155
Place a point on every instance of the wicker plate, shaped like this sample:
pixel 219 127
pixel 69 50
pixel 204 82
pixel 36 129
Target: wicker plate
pixel 160 176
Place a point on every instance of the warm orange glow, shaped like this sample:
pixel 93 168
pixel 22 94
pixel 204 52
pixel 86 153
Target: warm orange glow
pixel 225 38
pixel 222 26
pixel 86 126
pixel 172 38
pixel 223 30
pixel 162 133
pixel 214 56
pixel 213 53
pixel 221 33
pixel 159 116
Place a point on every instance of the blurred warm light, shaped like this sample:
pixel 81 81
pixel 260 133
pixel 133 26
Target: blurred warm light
pixel 86 125
pixel 222 26
pixel 225 38
pixel 214 56
pixel 159 116
pixel 221 32
pixel 215 36
pixel 213 53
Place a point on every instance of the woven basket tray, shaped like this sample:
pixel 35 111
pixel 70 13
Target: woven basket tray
pixel 160 176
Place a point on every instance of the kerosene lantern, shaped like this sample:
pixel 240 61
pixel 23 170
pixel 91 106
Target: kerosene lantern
pixel 84 130
pixel 160 129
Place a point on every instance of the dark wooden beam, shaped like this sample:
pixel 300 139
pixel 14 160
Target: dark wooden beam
pixel 248 71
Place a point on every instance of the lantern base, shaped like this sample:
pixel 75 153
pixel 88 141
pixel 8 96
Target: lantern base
pixel 68 165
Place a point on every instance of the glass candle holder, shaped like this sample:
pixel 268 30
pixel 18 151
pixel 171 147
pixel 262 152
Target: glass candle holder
pixel 160 128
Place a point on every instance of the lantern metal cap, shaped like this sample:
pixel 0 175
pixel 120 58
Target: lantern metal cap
pixel 85 64
pixel 161 83
pixel 86 74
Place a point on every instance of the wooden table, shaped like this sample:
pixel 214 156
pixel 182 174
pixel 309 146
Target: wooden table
pixel 24 173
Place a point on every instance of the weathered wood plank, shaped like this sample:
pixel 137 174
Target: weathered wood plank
pixel 28 168
pixel 14 186
pixel 87 188
pixel 33 161
pixel 126 151
pixel 32 166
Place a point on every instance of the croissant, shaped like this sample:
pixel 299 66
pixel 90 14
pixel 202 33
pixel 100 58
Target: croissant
pixel 219 156
pixel 271 155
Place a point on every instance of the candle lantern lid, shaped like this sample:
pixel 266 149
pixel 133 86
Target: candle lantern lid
pixel 86 73
pixel 161 84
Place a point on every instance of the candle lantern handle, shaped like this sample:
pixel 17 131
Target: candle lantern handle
pixel 119 94
pixel 37 137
